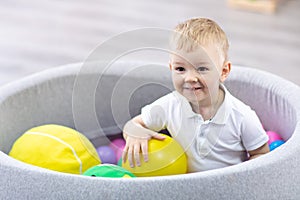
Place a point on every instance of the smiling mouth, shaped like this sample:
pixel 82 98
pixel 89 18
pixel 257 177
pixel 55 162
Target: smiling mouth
pixel 193 88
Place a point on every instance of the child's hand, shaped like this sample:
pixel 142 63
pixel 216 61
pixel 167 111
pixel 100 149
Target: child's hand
pixel 137 135
pixel 133 148
pixel 136 145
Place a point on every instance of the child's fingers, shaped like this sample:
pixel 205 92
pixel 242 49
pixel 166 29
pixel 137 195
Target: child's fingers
pixel 159 136
pixel 130 157
pixel 132 150
pixel 124 153
pixel 137 154
pixel 145 151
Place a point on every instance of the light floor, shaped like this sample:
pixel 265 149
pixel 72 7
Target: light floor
pixel 36 35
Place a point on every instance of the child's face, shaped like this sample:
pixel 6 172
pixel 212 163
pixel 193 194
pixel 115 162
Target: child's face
pixel 197 74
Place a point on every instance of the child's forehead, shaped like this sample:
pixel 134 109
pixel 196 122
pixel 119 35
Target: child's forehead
pixel 198 55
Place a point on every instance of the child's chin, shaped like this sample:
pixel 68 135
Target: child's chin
pixel 192 98
pixel 193 94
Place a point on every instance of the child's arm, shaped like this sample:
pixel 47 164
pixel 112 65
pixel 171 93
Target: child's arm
pixel 260 151
pixel 137 135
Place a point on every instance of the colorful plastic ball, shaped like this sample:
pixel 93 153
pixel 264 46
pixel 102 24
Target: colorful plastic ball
pixel 276 144
pixel 273 136
pixel 57 148
pixel 166 157
pixel 118 145
pixel 108 170
pixel 120 162
pixel 107 155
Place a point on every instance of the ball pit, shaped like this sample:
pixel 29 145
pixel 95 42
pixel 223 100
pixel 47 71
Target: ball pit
pixel 48 97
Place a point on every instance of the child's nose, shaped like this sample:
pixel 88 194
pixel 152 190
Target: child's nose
pixel 191 77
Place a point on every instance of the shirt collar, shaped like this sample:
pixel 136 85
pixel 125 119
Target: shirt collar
pixel 220 117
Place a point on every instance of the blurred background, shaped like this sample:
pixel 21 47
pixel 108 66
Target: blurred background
pixel 39 34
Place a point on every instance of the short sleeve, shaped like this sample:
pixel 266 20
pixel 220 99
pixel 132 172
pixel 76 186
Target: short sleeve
pixel 252 132
pixel 155 115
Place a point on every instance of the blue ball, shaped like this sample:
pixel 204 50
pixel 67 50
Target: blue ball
pixel 276 144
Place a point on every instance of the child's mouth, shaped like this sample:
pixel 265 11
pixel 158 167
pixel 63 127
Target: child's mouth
pixel 193 88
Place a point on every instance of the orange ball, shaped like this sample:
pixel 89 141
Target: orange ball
pixel 166 157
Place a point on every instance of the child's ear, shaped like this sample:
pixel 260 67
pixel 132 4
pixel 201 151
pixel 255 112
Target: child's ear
pixel 170 66
pixel 225 71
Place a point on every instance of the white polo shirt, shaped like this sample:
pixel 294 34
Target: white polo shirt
pixel 219 142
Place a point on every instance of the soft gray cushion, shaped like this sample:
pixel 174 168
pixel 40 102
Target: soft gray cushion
pixel 97 99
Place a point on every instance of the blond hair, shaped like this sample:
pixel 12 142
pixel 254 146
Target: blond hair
pixel 200 31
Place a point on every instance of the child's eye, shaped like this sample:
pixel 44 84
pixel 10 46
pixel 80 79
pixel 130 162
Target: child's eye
pixel 202 69
pixel 180 69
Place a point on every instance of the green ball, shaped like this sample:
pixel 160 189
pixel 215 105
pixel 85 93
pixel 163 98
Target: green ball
pixel 108 170
pixel 120 162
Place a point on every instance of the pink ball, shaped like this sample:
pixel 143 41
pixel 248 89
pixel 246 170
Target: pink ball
pixel 118 145
pixel 107 155
pixel 273 136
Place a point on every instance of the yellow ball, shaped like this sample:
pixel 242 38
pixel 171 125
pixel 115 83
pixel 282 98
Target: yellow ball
pixel 166 157
pixel 56 148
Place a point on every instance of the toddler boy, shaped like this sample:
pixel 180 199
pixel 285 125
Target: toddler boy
pixel 215 128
